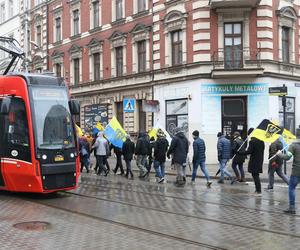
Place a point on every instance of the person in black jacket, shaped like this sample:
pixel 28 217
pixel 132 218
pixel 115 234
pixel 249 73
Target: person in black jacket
pixel 239 157
pixel 118 152
pixel 275 164
pixel 160 150
pixel 179 149
pixel 150 154
pixel 256 150
pixel 84 149
pixel 141 151
pixel 128 151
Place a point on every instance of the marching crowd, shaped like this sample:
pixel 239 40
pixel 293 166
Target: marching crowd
pixel 150 151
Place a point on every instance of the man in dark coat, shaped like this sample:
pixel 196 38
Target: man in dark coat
pixel 256 150
pixel 141 151
pixel 199 158
pixel 275 164
pixel 160 149
pixel 119 164
pixel 239 158
pixel 224 154
pixel 128 151
pixel 84 149
pixel 179 149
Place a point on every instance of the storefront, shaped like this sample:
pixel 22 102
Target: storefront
pixel 213 106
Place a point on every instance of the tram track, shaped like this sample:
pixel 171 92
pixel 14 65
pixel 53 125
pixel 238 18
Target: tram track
pixel 185 215
pixel 132 227
pixel 186 199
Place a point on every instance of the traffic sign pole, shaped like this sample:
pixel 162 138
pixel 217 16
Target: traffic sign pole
pixel 284 122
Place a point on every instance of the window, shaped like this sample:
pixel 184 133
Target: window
pixel 15 133
pixel 176 40
pixel 2 14
pixel 58 70
pixel 96 61
pixel 120 112
pixel 286 44
pixel 11 8
pixel 95 14
pixel 289 113
pixel 75 22
pixel 141 47
pixel 119 61
pixel 76 70
pixel 141 5
pixel 177 115
pixel 119 9
pixel 58 29
pixel 39 35
pixel 233 45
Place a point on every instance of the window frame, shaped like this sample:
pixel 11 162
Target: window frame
pixel 141 55
pixel 39 37
pixel 119 9
pixel 96 18
pixel 76 22
pixel 119 61
pixel 58 29
pixel 96 66
pixel 143 4
pixel 177 46
pixel 76 74
pixel 286 43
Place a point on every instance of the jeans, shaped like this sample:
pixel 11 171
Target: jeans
pixel 203 169
pixel 224 171
pixel 119 164
pixel 100 163
pixel 278 170
pixel 159 169
pixel 238 174
pixel 294 180
pixel 128 168
pixel 140 162
pixel 257 182
pixel 180 173
pixel 85 162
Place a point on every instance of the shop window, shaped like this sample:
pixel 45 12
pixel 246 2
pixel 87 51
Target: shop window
pixel 176 39
pixel 233 45
pixel 142 116
pixel 141 47
pixel 119 106
pixel 286 44
pixel 177 115
pixel 289 113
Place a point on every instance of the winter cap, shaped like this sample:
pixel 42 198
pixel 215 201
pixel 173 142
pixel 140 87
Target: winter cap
pixel 219 134
pixel 177 130
pixel 160 133
pixel 236 134
pixel 196 133
pixel 100 134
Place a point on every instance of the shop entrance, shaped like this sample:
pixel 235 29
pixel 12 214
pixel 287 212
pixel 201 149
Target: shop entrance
pixel 234 115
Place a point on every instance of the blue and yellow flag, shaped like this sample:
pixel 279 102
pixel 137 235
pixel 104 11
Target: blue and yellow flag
pixel 97 128
pixel 114 133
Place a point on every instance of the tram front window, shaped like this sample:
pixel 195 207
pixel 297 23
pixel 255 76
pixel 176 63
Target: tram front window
pixel 52 117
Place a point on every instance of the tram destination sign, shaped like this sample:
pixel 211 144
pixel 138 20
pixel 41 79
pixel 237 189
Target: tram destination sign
pixel 278 91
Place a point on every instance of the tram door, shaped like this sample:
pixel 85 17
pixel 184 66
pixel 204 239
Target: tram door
pixel 1 147
pixel 234 115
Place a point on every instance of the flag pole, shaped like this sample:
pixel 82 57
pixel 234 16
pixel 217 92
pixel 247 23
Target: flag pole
pixel 242 145
pixel 279 151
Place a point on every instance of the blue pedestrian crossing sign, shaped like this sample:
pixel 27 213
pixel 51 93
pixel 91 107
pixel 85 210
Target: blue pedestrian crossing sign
pixel 129 105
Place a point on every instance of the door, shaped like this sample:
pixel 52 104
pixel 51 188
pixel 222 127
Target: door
pixel 234 115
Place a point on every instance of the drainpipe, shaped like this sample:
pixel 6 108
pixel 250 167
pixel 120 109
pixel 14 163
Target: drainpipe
pixel 152 62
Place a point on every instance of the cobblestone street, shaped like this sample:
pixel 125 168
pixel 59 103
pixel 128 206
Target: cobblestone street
pixel 115 213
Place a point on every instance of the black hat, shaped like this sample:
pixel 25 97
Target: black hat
pixel 219 134
pixel 196 133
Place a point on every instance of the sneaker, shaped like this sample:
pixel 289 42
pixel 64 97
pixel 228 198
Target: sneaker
pixel 161 180
pixel 193 183
pixel 257 194
pixel 233 180
pixel 289 211
pixel 269 190
pixel 208 184
pixel 221 181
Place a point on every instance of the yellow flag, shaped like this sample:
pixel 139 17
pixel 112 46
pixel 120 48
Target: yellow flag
pixel 288 136
pixel 78 130
pixel 99 126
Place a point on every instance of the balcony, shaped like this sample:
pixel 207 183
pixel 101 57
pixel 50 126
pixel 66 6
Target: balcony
pixel 216 4
pixel 233 62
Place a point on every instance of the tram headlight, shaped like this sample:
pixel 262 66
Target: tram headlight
pixel 72 155
pixel 44 157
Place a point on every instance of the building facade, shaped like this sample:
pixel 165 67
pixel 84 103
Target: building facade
pixel 199 64
pixel 9 27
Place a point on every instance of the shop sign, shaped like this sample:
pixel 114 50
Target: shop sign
pixel 220 89
pixel 297 85
pixel 278 91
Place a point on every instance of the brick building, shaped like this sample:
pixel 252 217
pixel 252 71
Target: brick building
pixel 208 64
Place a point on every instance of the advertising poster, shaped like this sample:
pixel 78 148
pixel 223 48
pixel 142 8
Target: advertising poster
pixel 95 113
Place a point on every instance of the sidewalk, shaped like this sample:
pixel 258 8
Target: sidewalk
pixel 212 169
